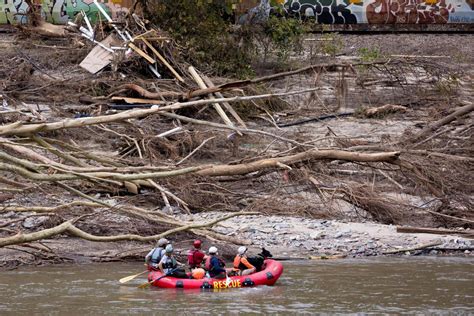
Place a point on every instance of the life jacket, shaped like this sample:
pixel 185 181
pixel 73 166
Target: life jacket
pixel 156 255
pixel 238 265
pixel 242 263
pixel 192 261
pixel 208 265
pixel 169 264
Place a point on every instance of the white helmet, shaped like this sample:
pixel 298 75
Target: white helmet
pixel 242 250
pixel 169 249
pixel 163 242
pixel 213 250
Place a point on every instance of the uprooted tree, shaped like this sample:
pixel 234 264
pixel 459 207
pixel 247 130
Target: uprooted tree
pixel 199 148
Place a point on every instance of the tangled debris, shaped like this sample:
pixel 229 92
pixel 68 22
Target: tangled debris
pixel 117 152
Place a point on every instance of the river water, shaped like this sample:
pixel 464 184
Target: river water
pixel 373 286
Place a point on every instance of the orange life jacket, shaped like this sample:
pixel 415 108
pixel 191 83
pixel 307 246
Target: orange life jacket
pixel 241 263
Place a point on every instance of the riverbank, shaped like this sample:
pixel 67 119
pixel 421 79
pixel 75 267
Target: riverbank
pixel 311 207
pixel 286 237
pixel 301 237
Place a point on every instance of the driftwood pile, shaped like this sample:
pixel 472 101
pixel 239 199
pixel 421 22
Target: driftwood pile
pixel 150 137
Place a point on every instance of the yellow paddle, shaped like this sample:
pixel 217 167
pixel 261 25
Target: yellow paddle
pixel 145 285
pixel 131 277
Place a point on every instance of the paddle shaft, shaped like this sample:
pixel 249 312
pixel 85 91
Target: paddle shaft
pixel 144 285
pixel 131 277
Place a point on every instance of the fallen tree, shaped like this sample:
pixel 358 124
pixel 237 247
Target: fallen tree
pixel 20 128
pixel 466 109
pixel 68 227
pixel 205 170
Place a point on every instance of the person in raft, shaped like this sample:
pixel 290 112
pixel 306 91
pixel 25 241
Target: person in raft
pixel 169 266
pixel 241 265
pixel 154 256
pixel 196 256
pixel 215 265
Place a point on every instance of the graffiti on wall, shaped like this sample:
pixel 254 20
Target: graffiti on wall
pixel 59 11
pixel 322 11
pixel 382 11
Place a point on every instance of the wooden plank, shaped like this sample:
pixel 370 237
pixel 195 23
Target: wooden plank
pixel 141 53
pixel 423 230
pixel 227 105
pixel 162 59
pixel 144 34
pixel 217 106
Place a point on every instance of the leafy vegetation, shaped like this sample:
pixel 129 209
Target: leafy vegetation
pixel 214 43
pixel 283 36
pixel 332 44
pixel 369 54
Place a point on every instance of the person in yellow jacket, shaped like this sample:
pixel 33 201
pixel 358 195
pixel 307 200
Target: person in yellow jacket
pixel 241 265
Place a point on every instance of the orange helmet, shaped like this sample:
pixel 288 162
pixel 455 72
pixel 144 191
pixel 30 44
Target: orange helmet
pixel 198 273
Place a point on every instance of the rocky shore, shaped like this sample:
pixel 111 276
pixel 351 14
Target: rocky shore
pixel 303 237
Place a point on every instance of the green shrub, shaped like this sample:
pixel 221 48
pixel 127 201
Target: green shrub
pixel 283 36
pixel 332 44
pixel 204 28
pixel 213 43
pixel 369 54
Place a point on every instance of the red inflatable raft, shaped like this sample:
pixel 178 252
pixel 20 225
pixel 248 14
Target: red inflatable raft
pixel 268 276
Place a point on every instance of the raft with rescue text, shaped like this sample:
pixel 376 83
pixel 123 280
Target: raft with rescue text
pixel 268 276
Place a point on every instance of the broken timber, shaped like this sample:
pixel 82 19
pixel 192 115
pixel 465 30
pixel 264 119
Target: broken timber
pixel 431 244
pixel 216 105
pixel 422 230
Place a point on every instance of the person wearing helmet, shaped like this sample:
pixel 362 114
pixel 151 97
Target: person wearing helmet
pixel 154 256
pixel 169 266
pixel 195 255
pixel 241 265
pixel 215 265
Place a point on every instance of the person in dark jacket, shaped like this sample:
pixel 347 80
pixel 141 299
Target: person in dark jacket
pixel 215 265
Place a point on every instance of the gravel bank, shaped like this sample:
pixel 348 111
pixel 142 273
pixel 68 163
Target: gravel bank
pixel 303 237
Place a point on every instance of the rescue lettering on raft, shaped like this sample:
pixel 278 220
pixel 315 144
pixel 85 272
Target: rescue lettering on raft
pixel 224 284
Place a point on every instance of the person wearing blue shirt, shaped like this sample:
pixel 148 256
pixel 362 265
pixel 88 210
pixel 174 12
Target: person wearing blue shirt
pixel 215 265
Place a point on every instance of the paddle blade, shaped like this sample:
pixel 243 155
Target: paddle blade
pixel 145 285
pixel 227 280
pixel 130 277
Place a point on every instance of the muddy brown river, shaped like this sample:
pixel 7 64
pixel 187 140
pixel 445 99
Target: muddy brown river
pixel 373 286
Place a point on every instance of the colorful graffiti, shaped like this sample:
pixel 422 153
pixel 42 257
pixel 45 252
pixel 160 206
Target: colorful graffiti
pixel 382 11
pixel 59 11
pixel 322 11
